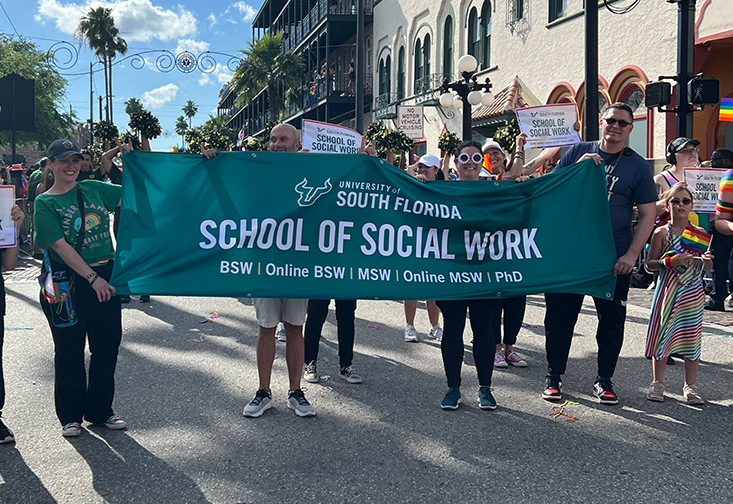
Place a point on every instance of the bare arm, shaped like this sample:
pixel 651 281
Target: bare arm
pixel 10 257
pixel 515 169
pixel 647 214
pixel 444 166
pixel 535 164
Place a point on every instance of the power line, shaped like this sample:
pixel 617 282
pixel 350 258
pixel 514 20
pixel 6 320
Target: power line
pixel 11 21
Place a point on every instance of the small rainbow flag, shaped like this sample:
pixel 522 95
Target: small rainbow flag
pixel 726 110
pixel 484 173
pixel 695 241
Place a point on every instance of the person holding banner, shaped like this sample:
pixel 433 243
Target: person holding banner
pixel 269 312
pixel 680 253
pixel 629 182
pixel 469 162
pixel 9 260
pixel 76 298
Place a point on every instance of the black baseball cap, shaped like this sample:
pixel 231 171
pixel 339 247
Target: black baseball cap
pixel 677 144
pixel 62 149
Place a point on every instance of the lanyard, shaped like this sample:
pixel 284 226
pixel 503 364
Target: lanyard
pixel 615 164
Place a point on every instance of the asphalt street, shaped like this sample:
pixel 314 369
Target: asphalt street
pixel 182 385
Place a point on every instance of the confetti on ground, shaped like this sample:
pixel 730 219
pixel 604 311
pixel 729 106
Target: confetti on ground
pixel 325 377
pixel 211 318
pixel 558 411
pixel 199 340
pixel 33 383
pixel 719 335
pixel 374 327
pixel 18 328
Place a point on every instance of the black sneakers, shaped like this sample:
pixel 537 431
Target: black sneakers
pixel 553 389
pixel 6 435
pixel 603 390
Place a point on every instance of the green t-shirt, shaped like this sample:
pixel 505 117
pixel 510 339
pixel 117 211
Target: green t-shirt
pixel 57 216
pixel 33 181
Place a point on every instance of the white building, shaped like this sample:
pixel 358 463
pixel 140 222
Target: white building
pixel 533 52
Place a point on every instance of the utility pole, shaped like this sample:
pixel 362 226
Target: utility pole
pixel 590 119
pixel 685 64
pixel 91 100
pixel 100 109
pixel 359 92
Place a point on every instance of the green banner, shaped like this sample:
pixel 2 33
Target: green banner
pixel 305 225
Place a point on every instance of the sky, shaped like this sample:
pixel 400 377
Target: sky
pixel 147 25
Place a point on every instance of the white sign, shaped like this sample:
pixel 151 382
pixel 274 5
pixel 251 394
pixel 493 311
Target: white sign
pixel 332 138
pixel 704 183
pixel 548 125
pixel 8 233
pixel 410 121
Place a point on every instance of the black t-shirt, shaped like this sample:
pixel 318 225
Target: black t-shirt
pixel 630 182
pixel 90 175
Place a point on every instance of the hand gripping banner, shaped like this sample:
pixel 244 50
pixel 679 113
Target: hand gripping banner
pixel 320 226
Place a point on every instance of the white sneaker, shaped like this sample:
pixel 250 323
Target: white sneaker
pixel 410 333
pixel 280 332
pixel 436 333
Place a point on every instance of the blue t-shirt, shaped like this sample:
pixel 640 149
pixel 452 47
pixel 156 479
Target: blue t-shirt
pixel 629 183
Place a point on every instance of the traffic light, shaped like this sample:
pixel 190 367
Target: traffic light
pixel 657 94
pixel 703 91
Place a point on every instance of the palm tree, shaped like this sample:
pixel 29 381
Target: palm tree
pixel 189 110
pixel 98 28
pixel 266 66
pixel 133 105
pixel 181 128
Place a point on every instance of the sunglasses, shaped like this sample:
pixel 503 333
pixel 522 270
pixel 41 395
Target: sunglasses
pixel 621 124
pixel 689 152
pixel 495 154
pixel 684 201
pixel 476 158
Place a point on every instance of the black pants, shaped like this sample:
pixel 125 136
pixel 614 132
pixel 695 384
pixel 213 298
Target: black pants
pixel 720 248
pixel 102 323
pixel 2 378
pixel 317 313
pixel 483 312
pixel 512 310
pixel 561 316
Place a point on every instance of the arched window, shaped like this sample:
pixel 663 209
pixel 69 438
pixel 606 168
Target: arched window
pixel 448 46
pixel 426 55
pixel 474 39
pixel 418 64
pixel 388 71
pixel 382 78
pixel 485 35
pixel 401 73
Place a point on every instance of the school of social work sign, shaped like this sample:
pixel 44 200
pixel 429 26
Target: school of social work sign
pixel 548 125
pixel 329 138
pixel 305 225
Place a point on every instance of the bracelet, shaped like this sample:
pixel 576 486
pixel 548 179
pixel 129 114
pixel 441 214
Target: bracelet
pixel 93 280
pixel 666 262
pixel 92 277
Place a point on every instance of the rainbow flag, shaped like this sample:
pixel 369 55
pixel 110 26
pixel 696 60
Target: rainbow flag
pixel 484 173
pixel 695 241
pixel 726 110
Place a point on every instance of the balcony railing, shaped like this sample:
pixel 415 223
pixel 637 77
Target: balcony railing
pixel 335 86
pixel 316 14
pixel 386 105
pixel 427 89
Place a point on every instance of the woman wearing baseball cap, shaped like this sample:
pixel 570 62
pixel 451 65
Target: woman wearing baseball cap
pixel 77 299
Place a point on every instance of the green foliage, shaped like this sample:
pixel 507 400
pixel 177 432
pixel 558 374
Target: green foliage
pixel 507 136
pixel 213 133
pixel 189 110
pixel 448 142
pixel 105 131
pixel 266 66
pixel 127 136
pixel 181 126
pixel 146 123
pixel 260 143
pixel 96 152
pixel 22 57
pixel 385 139
pixel 133 105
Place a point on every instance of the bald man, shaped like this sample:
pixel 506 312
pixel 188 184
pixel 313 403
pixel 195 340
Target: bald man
pixel 292 312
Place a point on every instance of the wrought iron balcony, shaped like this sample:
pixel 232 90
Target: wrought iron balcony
pixel 320 10
pixel 386 105
pixel 427 89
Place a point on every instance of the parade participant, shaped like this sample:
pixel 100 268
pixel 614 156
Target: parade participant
pixel 283 138
pixel 79 250
pixel 9 260
pixel 469 161
pixel 427 169
pixel 720 246
pixel 629 182
pixel 317 313
pixel 87 171
pixel 681 153
pixel 675 325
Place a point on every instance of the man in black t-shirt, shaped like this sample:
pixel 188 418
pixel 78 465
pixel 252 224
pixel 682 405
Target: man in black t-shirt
pixel 86 170
pixel 629 182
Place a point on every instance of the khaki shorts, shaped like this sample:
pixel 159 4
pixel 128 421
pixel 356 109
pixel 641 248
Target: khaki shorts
pixel 268 311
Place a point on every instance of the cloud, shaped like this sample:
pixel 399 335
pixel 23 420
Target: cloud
pixel 245 9
pixel 137 20
pixel 221 73
pixel 190 45
pixel 160 96
pixel 211 18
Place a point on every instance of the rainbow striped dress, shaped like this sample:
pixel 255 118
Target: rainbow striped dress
pixel 675 325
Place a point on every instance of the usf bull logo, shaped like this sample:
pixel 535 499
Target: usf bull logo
pixel 308 194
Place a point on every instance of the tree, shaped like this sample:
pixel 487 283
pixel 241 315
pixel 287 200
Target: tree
pixel 266 66
pixel 189 110
pixel 20 56
pixel 133 105
pixel 98 28
pixel 213 133
pixel 181 128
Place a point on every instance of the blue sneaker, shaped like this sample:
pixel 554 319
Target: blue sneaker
pixel 485 399
pixel 452 399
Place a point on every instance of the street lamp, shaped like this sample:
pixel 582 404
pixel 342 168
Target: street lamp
pixel 468 92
